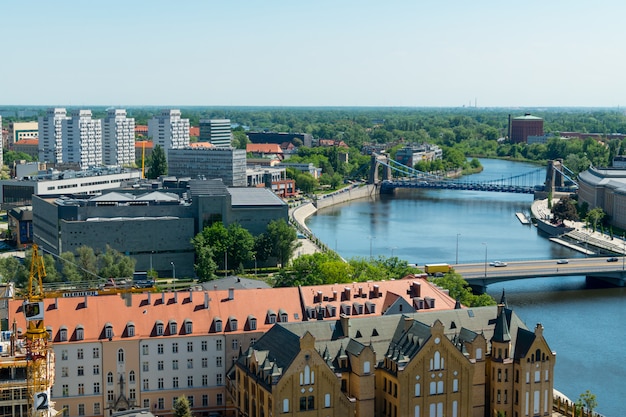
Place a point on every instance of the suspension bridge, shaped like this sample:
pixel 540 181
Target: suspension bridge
pixel 556 178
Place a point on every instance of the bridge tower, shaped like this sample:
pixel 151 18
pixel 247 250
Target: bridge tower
pixel 554 176
pixel 377 160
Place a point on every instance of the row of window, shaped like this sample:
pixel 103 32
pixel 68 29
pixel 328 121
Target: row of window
pixel 306 403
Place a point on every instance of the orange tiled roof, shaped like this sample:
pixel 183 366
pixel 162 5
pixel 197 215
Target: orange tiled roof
pixel 32 142
pixel 201 145
pixel 141 129
pixel 264 148
pixel 140 143
pixel 146 309
pixel 194 131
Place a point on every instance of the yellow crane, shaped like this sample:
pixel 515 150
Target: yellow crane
pixel 39 353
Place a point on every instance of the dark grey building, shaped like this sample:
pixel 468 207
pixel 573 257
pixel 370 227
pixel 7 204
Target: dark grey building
pixel 227 164
pixel 154 227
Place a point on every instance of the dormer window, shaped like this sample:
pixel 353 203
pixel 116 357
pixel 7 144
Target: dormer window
pixel 130 329
pixel 108 331
pixel 173 327
pixel 251 323
pixel 188 327
pixel 159 328
pixel 218 324
pixel 63 334
pixel 49 330
pixel 232 323
pixel 284 317
pixel 80 333
pixel 271 317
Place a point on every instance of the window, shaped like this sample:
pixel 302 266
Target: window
pixel 189 346
pixel 205 362
pixel 174 347
pixel 366 367
pixel 96 353
pixel 96 408
pixel 160 365
pixel 146 384
pixel 63 335
pixel 173 327
pixel 479 354
pixel 436 362
pixel 218 325
pixel 527 377
pixel 271 319
pixel 433 388
pixel 110 378
pixel 205 400
pixel 416 412
pixel 537 376
pixel 80 333
pixel 160 383
pixel 160 403
pixel 220 399
pixel 108 331
pixel 232 323
pixel 132 393
pixel 326 400
pixel 219 379
pixel 175 364
pixel 189 363
pixel 80 371
pixel 175 382
pixel 455 385
pixel 120 356
pixel 235 344
pixel 80 354
pixel 159 329
pixel 64 371
pixel 66 390
pixel 146 366
pixel 218 361
pixel 160 348
pixel 110 395
pixel 146 403
pixel 81 409
pixel 188 327
pixel 252 341
pixel 131 330
pixel 418 389
pixel 190 400
pixel 189 381
pixel 145 350
pixel 205 380
pixel 81 389
pixel 218 344
pixel 547 374
pixel 131 377
pixel 286 405
pixel 307 377
pixel 252 324
pixel 96 388
pixel 64 355
pixel 204 346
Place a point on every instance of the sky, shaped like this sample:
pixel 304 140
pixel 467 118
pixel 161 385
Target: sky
pixel 392 53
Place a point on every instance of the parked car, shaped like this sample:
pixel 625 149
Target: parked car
pixel 612 259
pixel 562 261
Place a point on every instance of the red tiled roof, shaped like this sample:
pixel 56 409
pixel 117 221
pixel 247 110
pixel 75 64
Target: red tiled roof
pixel 33 142
pixel 264 148
pixel 140 143
pixel 201 145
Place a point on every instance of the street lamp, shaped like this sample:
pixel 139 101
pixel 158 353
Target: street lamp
pixel 483 243
pixel 225 263
pixel 173 269
pixel 457 248
pixel 151 252
pixel 371 238
pixel 254 256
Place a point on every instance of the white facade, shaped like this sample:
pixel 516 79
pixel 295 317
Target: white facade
pixel 50 135
pixel 81 138
pixel 168 130
pixel 216 131
pixel 118 138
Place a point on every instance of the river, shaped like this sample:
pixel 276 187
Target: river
pixel 584 325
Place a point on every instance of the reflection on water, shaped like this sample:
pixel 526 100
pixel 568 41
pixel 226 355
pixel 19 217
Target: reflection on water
pixel 583 324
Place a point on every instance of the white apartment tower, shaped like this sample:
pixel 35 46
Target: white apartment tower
pixel 81 138
pixel 50 135
pixel 216 131
pixel 168 130
pixel 118 138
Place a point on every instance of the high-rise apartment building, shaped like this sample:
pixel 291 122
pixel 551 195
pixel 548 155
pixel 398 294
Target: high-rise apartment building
pixel 81 140
pixel 216 131
pixel 169 130
pixel 50 135
pixel 118 138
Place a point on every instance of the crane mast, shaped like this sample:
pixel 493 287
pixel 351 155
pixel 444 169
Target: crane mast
pixel 39 353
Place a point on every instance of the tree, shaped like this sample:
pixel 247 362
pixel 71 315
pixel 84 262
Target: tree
pixel 595 216
pixel 588 400
pixel 87 263
pixel 284 240
pixel 158 163
pixel 181 407
pixel 241 245
pixel 565 209
pixel 205 265
pixel 460 290
pixel 69 269
pixel 113 264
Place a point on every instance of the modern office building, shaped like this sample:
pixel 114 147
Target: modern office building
pixel 605 188
pixel 411 155
pixel 50 135
pixel 227 164
pixel 155 227
pixel 81 139
pixel 118 138
pixel 22 130
pixel 463 362
pixel 524 126
pixel 169 130
pixel 216 131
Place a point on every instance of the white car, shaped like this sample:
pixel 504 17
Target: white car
pixel 499 264
pixel 562 261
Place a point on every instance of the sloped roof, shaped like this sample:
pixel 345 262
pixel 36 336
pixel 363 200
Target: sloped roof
pixel 158 196
pixel 254 197
pixel 264 148
pixel 113 196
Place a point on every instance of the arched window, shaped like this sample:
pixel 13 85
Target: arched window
pixel 286 405
pixel 110 378
pixel 159 329
pixel 80 333
pixel 418 389
pixel 131 377
pixel 108 331
pixel 120 356
pixel 326 400
pixel 188 327
pixel 307 375
pixel 173 327
pixel 417 411
pixel 436 362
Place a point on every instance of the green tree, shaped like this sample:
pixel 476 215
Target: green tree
pixel 565 209
pixel 158 163
pixel 240 245
pixel 87 263
pixel 588 400
pixel 69 269
pixel 205 265
pixel 113 264
pixel 460 290
pixel 13 270
pixel 595 216
pixel 181 407
pixel 284 240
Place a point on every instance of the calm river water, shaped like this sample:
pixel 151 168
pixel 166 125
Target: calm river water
pixel 585 326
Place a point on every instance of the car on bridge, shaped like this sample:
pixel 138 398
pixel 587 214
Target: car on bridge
pixel 498 264
pixel 562 261
pixel 612 259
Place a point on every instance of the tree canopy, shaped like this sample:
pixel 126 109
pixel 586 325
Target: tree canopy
pixel 158 163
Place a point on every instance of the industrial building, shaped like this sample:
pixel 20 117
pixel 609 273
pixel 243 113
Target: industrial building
pixel 520 128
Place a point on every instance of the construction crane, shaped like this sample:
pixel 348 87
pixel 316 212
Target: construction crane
pixel 39 353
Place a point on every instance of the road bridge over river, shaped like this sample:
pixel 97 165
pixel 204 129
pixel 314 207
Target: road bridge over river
pixel 480 275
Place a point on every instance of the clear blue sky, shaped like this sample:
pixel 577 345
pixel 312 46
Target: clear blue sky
pixel 313 53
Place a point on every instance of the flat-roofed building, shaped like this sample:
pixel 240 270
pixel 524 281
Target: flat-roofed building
pixel 169 130
pixel 51 136
pixel 227 164
pixel 216 131
pixel 605 188
pixel 524 126
pixel 22 130
pixel 82 140
pixel 118 138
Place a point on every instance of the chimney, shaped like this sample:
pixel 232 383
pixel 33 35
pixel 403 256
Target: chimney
pixel 176 297
pixel 408 322
pixel 85 300
pixel 416 289
pixel 319 297
pixel 163 297
pixel 231 293
pixel 206 300
pixel 55 305
pixel 360 292
pixel 190 295
pixel 149 297
pixel 376 291
pixel 345 324
pixel 346 293
pixel 334 295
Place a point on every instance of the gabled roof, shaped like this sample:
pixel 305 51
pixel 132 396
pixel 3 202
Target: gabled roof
pixel 158 196
pixel 272 148
pixel 113 197
pixel 201 145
